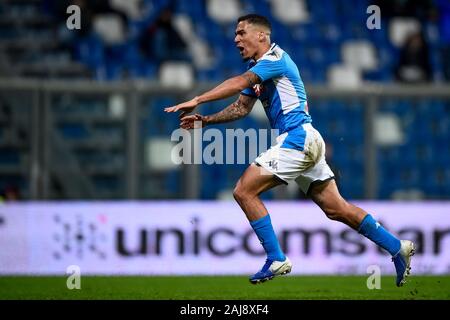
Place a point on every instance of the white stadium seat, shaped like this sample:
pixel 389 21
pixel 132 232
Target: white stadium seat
pixel 132 8
pixel 176 75
pixel 290 11
pixel 117 106
pixel 344 76
pixel 225 195
pixel 110 28
pixel 360 54
pixel 158 153
pixel 388 130
pixel 224 11
pixel 400 28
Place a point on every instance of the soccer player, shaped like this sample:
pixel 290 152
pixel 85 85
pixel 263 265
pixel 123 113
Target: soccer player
pixel 299 154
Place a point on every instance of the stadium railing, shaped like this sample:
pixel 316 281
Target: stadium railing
pixel 95 140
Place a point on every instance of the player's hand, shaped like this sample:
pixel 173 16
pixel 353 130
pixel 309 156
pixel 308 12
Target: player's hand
pixel 193 121
pixel 185 107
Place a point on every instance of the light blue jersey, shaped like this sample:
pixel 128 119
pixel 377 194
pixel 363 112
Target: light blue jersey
pixel 282 94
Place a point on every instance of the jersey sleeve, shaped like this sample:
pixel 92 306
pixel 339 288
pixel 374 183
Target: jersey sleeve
pixel 249 92
pixel 267 69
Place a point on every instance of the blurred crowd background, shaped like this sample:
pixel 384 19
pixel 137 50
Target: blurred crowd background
pixel 121 39
pixel 81 110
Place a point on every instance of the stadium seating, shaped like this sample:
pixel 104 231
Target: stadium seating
pixel 323 37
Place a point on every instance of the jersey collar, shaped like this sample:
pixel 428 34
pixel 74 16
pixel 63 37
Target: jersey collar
pixel 270 49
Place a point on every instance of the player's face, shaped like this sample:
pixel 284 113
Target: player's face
pixel 246 40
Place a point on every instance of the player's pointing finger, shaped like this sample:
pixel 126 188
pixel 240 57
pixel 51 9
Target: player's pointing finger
pixel 171 109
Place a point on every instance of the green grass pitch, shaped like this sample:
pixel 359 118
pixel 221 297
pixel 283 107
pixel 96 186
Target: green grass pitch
pixel 223 288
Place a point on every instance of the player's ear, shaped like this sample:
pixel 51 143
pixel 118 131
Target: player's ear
pixel 261 36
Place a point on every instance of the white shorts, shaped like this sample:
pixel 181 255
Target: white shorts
pixel 305 167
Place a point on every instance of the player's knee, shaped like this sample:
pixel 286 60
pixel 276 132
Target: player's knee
pixel 241 194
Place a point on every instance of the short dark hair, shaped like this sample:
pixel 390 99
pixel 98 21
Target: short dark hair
pixel 256 19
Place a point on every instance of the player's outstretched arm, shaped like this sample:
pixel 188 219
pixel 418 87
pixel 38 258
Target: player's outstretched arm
pixel 238 109
pixel 226 89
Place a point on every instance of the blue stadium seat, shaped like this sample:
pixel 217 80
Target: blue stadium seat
pixel 76 131
pixel 173 182
pixel 114 70
pixel 9 156
pixel 90 51
pixel 259 7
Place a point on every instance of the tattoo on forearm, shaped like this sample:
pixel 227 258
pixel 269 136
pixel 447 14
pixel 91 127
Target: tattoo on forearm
pixel 233 112
pixel 251 78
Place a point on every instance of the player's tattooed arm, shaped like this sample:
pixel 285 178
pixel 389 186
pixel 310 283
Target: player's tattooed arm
pixel 230 87
pixel 226 89
pixel 251 78
pixel 238 109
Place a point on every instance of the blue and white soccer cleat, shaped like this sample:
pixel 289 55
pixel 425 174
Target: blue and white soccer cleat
pixel 271 269
pixel 402 261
